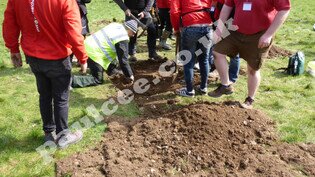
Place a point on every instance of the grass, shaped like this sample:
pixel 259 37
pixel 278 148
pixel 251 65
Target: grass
pixel 288 100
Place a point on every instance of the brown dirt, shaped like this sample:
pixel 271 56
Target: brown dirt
pixel 276 51
pixel 149 70
pixel 202 139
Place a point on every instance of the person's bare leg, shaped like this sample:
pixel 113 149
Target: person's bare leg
pixel 222 67
pixel 253 81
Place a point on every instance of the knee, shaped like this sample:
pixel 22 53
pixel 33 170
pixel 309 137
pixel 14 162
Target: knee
pixel 252 71
pixel 218 56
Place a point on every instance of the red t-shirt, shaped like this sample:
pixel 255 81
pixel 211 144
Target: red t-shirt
pixel 260 15
pixel 187 11
pixel 163 3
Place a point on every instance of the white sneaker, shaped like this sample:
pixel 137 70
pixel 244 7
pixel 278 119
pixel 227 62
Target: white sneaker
pixel 70 138
pixel 183 92
pixel 203 91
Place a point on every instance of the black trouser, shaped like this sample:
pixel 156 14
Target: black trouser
pixel 164 14
pixel 53 79
pixel 95 78
pixel 151 38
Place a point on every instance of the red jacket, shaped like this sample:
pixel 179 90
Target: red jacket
pixel 163 3
pixel 187 11
pixel 59 26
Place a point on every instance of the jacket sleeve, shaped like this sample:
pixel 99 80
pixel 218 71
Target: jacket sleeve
pixel 121 4
pixel 73 27
pixel 149 5
pixel 175 14
pixel 11 29
pixel 122 55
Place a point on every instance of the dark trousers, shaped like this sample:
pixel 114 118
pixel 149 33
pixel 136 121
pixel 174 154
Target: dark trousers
pixel 164 14
pixel 151 38
pixel 96 77
pixel 53 79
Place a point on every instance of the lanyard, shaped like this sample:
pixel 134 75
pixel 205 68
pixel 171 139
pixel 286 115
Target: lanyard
pixel 35 20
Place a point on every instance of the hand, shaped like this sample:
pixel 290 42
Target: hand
pixel 141 15
pixel 83 69
pixel 16 60
pixel 128 12
pixel 264 41
pixel 177 34
pixel 129 80
pixel 132 78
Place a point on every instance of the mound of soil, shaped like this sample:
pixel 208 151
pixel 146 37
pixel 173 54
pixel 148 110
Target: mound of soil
pixel 204 139
pixel 276 51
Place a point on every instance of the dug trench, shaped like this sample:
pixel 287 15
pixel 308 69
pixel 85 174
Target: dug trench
pixel 201 139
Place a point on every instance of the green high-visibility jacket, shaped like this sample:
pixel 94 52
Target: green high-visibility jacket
pixel 100 46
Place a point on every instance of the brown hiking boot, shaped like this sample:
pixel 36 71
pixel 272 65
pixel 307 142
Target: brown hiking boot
pixel 248 103
pixel 221 90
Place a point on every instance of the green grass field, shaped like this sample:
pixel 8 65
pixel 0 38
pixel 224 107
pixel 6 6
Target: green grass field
pixel 290 101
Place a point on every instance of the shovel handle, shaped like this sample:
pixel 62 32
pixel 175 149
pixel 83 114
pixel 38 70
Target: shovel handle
pixel 143 26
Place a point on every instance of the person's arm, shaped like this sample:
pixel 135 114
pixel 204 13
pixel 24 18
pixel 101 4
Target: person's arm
pixel 73 26
pixel 146 11
pixel 265 39
pixel 11 33
pixel 123 7
pixel 122 55
pixel 175 13
pixel 224 15
pixel 148 6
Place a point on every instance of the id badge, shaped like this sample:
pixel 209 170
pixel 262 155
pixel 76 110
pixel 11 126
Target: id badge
pixel 247 6
pixel 212 9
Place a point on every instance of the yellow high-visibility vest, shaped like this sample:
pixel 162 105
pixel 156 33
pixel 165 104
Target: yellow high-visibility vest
pixel 100 46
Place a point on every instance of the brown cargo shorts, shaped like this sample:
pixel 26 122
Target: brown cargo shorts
pixel 246 46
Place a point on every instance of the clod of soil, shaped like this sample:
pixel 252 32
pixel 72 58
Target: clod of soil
pixel 204 139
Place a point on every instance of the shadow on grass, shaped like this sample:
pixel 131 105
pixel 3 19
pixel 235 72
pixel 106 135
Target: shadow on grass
pixel 29 143
pixel 78 100
pixel 5 71
pixel 280 74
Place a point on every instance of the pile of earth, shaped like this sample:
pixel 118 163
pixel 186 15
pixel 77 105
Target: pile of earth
pixel 276 51
pixel 203 139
